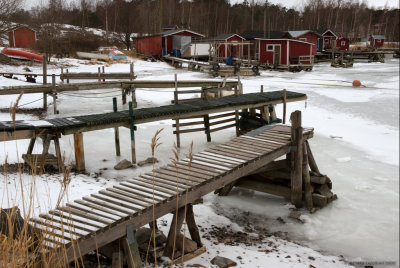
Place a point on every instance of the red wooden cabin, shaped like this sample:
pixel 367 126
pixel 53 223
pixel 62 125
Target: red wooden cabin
pixel 327 38
pixel 285 51
pixel 162 43
pixel 22 37
pixel 376 40
pixel 228 45
pixel 343 43
pixel 305 36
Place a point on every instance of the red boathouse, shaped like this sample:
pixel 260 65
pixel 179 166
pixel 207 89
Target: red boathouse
pixel 305 36
pixel 376 40
pixel 229 45
pixel 285 52
pixel 22 37
pixel 162 43
pixel 343 43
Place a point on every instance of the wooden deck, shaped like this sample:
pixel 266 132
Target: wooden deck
pixel 101 218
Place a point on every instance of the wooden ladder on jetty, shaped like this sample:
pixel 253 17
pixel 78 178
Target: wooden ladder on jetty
pixel 110 215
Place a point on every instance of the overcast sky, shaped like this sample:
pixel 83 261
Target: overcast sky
pixel 297 4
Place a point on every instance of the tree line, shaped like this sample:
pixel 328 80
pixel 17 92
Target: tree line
pixel 348 18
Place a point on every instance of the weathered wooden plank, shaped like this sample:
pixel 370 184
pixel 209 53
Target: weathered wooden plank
pixel 231 159
pixel 173 180
pixel 198 172
pixel 111 212
pixel 199 168
pixel 16 135
pixel 242 149
pixel 297 160
pixel 80 216
pixel 188 175
pixel 146 200
pixel 146 190
pixel 223 127
pixel 214 161
pixel 149 186
pixel 232 152
pixel 221 168
pixel 182 175
pixel 219 157
pixel 93 211
pixel 251 147
pixel 145 195
pixel 122 197
pixel 109 205
pixel 70 224
pixel 163 183
pixel 118 202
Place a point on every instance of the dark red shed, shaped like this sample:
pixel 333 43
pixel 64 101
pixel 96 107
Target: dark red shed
pixel 22 37
pixel 229 45
pixel 162 43
pixel 305 36
pixel 376 40
pixel 343 43
pixel 285 51
pixel 328 39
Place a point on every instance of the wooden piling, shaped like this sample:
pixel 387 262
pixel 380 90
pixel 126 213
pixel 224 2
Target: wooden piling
pixel 67 78
pixel 178 138
pixel 103 71
pixel 131 74
pixel 133 92
pixel 123 96
pixel 116 130
pixel 284 107
pixel 54 92
pixel 297 160
pixel 262 89
pixel 79 152
pixel 307 180
pixel 132 128
pixel 131 248
pixel 44 80
pixel 311 159
pixel 98 75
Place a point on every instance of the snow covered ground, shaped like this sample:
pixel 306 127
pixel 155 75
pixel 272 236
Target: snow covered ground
pixel 356 144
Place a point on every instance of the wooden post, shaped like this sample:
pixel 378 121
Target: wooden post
pixel 284 107
pixel 31 145
pixel 67 78
pixel 207 127
pixel 133 92
pixel 131 74
pixel 62 75
pixel 176 225
pixel 191 223
pixel 131 248
pixel 262 89
pixel 54 92
pixel 311 159
pixel 123 96
pixel 178 138
pixel 116 130
pixel 132 128
pixel 103 71
pixel 265 113
pixel 297 160
pixel 98 75
pixel 306 180
pixel 46 146
pixel 79 152
pixel 44 80
pixel 272 112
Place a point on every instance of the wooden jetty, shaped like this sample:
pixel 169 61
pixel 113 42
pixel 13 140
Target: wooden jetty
pixel 111 216
pixel 77 125
pixel 215 68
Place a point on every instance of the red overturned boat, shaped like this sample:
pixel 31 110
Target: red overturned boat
pixel 21 54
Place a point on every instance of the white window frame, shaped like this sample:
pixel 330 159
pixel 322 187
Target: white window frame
pixel 343 43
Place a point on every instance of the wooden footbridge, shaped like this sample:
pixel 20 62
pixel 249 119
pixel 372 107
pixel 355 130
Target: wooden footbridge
pixel 113 214
pixel 51 129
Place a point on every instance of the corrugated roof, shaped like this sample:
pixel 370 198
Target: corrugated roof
pixel 170 26
pixel 226 36
pixel 377 36
pixel 249 35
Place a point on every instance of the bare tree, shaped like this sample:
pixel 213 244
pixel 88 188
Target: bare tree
pixel 7 7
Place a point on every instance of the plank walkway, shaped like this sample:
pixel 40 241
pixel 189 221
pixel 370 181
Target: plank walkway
pixel 101 218
pixel 74 124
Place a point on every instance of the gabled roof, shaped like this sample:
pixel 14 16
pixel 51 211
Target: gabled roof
pixel 226 36
pixel 249 35
pixel 377 36
pixel 172 32
pixel 324 31
pixel 295 34
pixel 21 26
